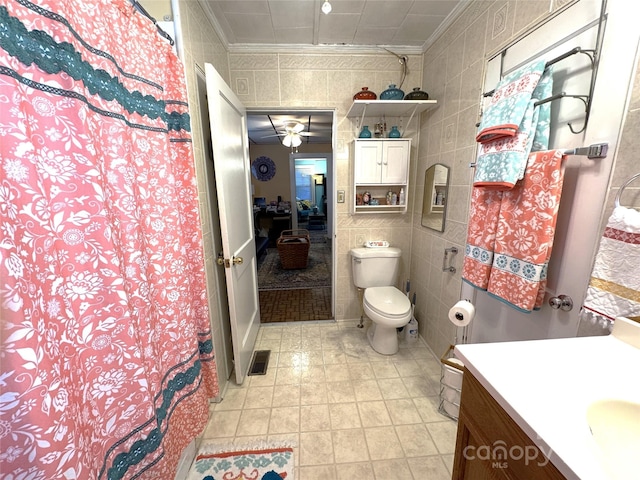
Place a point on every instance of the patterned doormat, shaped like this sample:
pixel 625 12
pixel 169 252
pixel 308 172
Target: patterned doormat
pixel 271 275
pixel 234 462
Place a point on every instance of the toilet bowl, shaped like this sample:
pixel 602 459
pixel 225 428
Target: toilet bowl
pixel 389 309
pixel 375 271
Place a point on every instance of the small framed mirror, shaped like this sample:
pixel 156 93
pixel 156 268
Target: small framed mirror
pixel 436 192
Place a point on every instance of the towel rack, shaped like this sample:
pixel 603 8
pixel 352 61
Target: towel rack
pixel 597 150
pixel 573 51
pixel 625 185
pixel 594 57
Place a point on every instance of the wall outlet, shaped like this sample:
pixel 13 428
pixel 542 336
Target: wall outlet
pixel 340 196
pixel 360 240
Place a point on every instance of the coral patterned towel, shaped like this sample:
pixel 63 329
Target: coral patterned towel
pixel 509 102
pixel 614 288
pixel 524 230
pixel 481 236
pixel 502 161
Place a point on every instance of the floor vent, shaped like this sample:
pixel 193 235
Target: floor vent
pixel 260 362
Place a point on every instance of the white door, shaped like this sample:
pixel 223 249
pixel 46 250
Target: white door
pixel 231 162
pixel 223 345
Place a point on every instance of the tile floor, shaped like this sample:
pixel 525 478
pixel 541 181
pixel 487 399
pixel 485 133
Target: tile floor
pixel 295 305
pixel 350 412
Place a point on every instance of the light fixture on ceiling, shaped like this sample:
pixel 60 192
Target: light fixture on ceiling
pixel 292 139
pixel 326 8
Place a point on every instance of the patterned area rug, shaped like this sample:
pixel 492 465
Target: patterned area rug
pixel 237 462
pixel 271 275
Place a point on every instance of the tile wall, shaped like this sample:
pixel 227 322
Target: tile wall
pixel 330 81
pixel 451 71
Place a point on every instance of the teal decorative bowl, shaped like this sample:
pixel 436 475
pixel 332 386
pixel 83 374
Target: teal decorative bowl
pixel 392 93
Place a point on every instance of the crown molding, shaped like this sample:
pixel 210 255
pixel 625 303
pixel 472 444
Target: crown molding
pixel 329 48
pixel 448 21
pixel 214 22
pixel 321 49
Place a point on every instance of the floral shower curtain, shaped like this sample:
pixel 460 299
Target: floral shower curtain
pixel 106 359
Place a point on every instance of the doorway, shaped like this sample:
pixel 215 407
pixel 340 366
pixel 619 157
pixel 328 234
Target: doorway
pixel 293 207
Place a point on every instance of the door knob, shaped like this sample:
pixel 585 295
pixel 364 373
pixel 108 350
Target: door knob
pixel 561 302
pixel 238 260
pixel 220 259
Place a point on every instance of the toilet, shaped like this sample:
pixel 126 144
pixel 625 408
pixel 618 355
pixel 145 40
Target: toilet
pixel 375 270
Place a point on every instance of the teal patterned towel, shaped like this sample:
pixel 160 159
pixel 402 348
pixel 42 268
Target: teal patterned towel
pixel 502 162
pixel 510 102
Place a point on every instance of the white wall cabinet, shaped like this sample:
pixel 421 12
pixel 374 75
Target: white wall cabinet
pixel 382 161
pixel 381 166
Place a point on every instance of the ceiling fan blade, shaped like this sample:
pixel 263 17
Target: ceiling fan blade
pixel 297 127
pixel 292 127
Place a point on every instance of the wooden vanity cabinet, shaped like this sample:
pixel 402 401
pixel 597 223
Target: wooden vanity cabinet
pixel 490 445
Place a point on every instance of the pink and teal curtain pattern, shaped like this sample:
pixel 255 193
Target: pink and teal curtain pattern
pixel 106 358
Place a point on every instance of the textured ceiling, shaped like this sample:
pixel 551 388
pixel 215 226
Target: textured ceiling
pixel 398 23
pixel 406 26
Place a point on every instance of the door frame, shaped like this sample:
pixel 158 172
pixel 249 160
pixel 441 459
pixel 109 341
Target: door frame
pixel 330 189
pixel 328 157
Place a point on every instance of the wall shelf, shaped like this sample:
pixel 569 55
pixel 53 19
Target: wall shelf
pixel 360 109
pixel 390 108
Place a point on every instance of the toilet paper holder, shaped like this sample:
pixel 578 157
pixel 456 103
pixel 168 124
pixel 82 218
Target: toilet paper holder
pixel 446 260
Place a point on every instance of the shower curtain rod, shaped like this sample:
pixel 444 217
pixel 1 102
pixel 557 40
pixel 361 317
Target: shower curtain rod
pixel 142 10
pixel 597 150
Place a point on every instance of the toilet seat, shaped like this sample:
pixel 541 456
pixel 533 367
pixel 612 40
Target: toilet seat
pixel 387 302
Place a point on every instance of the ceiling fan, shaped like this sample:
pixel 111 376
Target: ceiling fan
pixel 293 131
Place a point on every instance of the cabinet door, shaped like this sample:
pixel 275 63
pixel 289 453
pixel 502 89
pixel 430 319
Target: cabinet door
pixel 395 161
pixel 368 162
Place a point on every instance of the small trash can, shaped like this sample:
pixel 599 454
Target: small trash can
pixel 450 384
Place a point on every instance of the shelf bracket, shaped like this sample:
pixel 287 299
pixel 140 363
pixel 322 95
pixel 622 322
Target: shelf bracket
pixel 409 121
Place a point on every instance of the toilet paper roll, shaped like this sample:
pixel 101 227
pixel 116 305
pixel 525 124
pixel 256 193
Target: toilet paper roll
pixel 462 313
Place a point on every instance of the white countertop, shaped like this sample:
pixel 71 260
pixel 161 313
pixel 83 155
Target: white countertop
pixel 547 385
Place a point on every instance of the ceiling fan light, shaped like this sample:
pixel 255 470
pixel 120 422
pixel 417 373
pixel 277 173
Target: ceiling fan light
pixel 292 140
pixel 326 8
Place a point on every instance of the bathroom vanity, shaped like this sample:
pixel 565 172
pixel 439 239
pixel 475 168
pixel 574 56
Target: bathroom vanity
pixel 528 408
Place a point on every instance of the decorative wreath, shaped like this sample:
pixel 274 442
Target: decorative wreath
pixel 263 168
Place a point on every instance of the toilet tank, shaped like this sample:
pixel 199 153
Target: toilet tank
pixel 375 267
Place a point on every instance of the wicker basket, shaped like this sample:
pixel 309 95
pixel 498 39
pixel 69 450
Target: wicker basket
pixel 293 248
pixel 450 384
